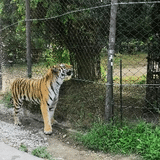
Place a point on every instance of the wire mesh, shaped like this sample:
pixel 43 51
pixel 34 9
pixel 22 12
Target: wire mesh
pixel 77 32
pixel 137 46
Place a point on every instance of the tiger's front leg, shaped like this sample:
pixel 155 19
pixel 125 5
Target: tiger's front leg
pixel 16 119
pixel 46 118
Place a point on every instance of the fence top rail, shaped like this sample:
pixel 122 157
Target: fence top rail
pixel 80 10
pixel 91 8
pixel 137 85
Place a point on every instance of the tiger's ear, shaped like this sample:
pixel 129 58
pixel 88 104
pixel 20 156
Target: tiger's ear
pixel 62 65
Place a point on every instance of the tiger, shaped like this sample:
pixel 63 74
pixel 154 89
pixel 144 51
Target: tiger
pixel 44 91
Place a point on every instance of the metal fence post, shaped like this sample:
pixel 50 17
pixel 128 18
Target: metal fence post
pixel 28 39
pixel 109 111
pixel 121 88
pixel 0 54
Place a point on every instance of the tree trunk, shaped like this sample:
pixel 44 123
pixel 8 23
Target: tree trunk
pixel 87 63
pixel 0 54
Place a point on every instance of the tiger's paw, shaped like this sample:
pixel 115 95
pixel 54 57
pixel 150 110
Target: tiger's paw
pixel 48 132
pixel 17 122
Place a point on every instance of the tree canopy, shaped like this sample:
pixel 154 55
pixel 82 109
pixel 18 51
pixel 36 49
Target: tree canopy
pixel 75 31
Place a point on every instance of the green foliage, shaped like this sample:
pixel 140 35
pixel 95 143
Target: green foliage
pixel 56 54
pixel 137 17
pixel 7 99
pixel 13 36
pixel 42 153
pixel 77 32
pixel 23 148
pixel 142 139
pixel 1 7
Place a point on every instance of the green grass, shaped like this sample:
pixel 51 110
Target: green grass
pixel 7 99
pixel 131 79
pixel 42 153
pixel 23 148
pixel 142 139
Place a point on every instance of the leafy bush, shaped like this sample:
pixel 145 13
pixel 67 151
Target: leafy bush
pixel 140 139
pixel 56 54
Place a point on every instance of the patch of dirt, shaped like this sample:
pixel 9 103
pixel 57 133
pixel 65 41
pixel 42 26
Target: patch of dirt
pixel 126 72
pixel 61 145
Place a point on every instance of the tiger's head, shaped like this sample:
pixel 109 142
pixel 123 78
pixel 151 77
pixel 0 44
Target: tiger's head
pixel 63 70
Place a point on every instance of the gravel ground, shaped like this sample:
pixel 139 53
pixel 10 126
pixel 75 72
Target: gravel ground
pixel 16 136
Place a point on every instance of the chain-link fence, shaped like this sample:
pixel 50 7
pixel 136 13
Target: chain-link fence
pixel 77 32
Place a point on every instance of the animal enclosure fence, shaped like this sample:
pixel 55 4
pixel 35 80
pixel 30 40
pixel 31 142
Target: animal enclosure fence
pixel 87 34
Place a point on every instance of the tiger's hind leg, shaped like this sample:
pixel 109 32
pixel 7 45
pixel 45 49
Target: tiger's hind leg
pixel 17 107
